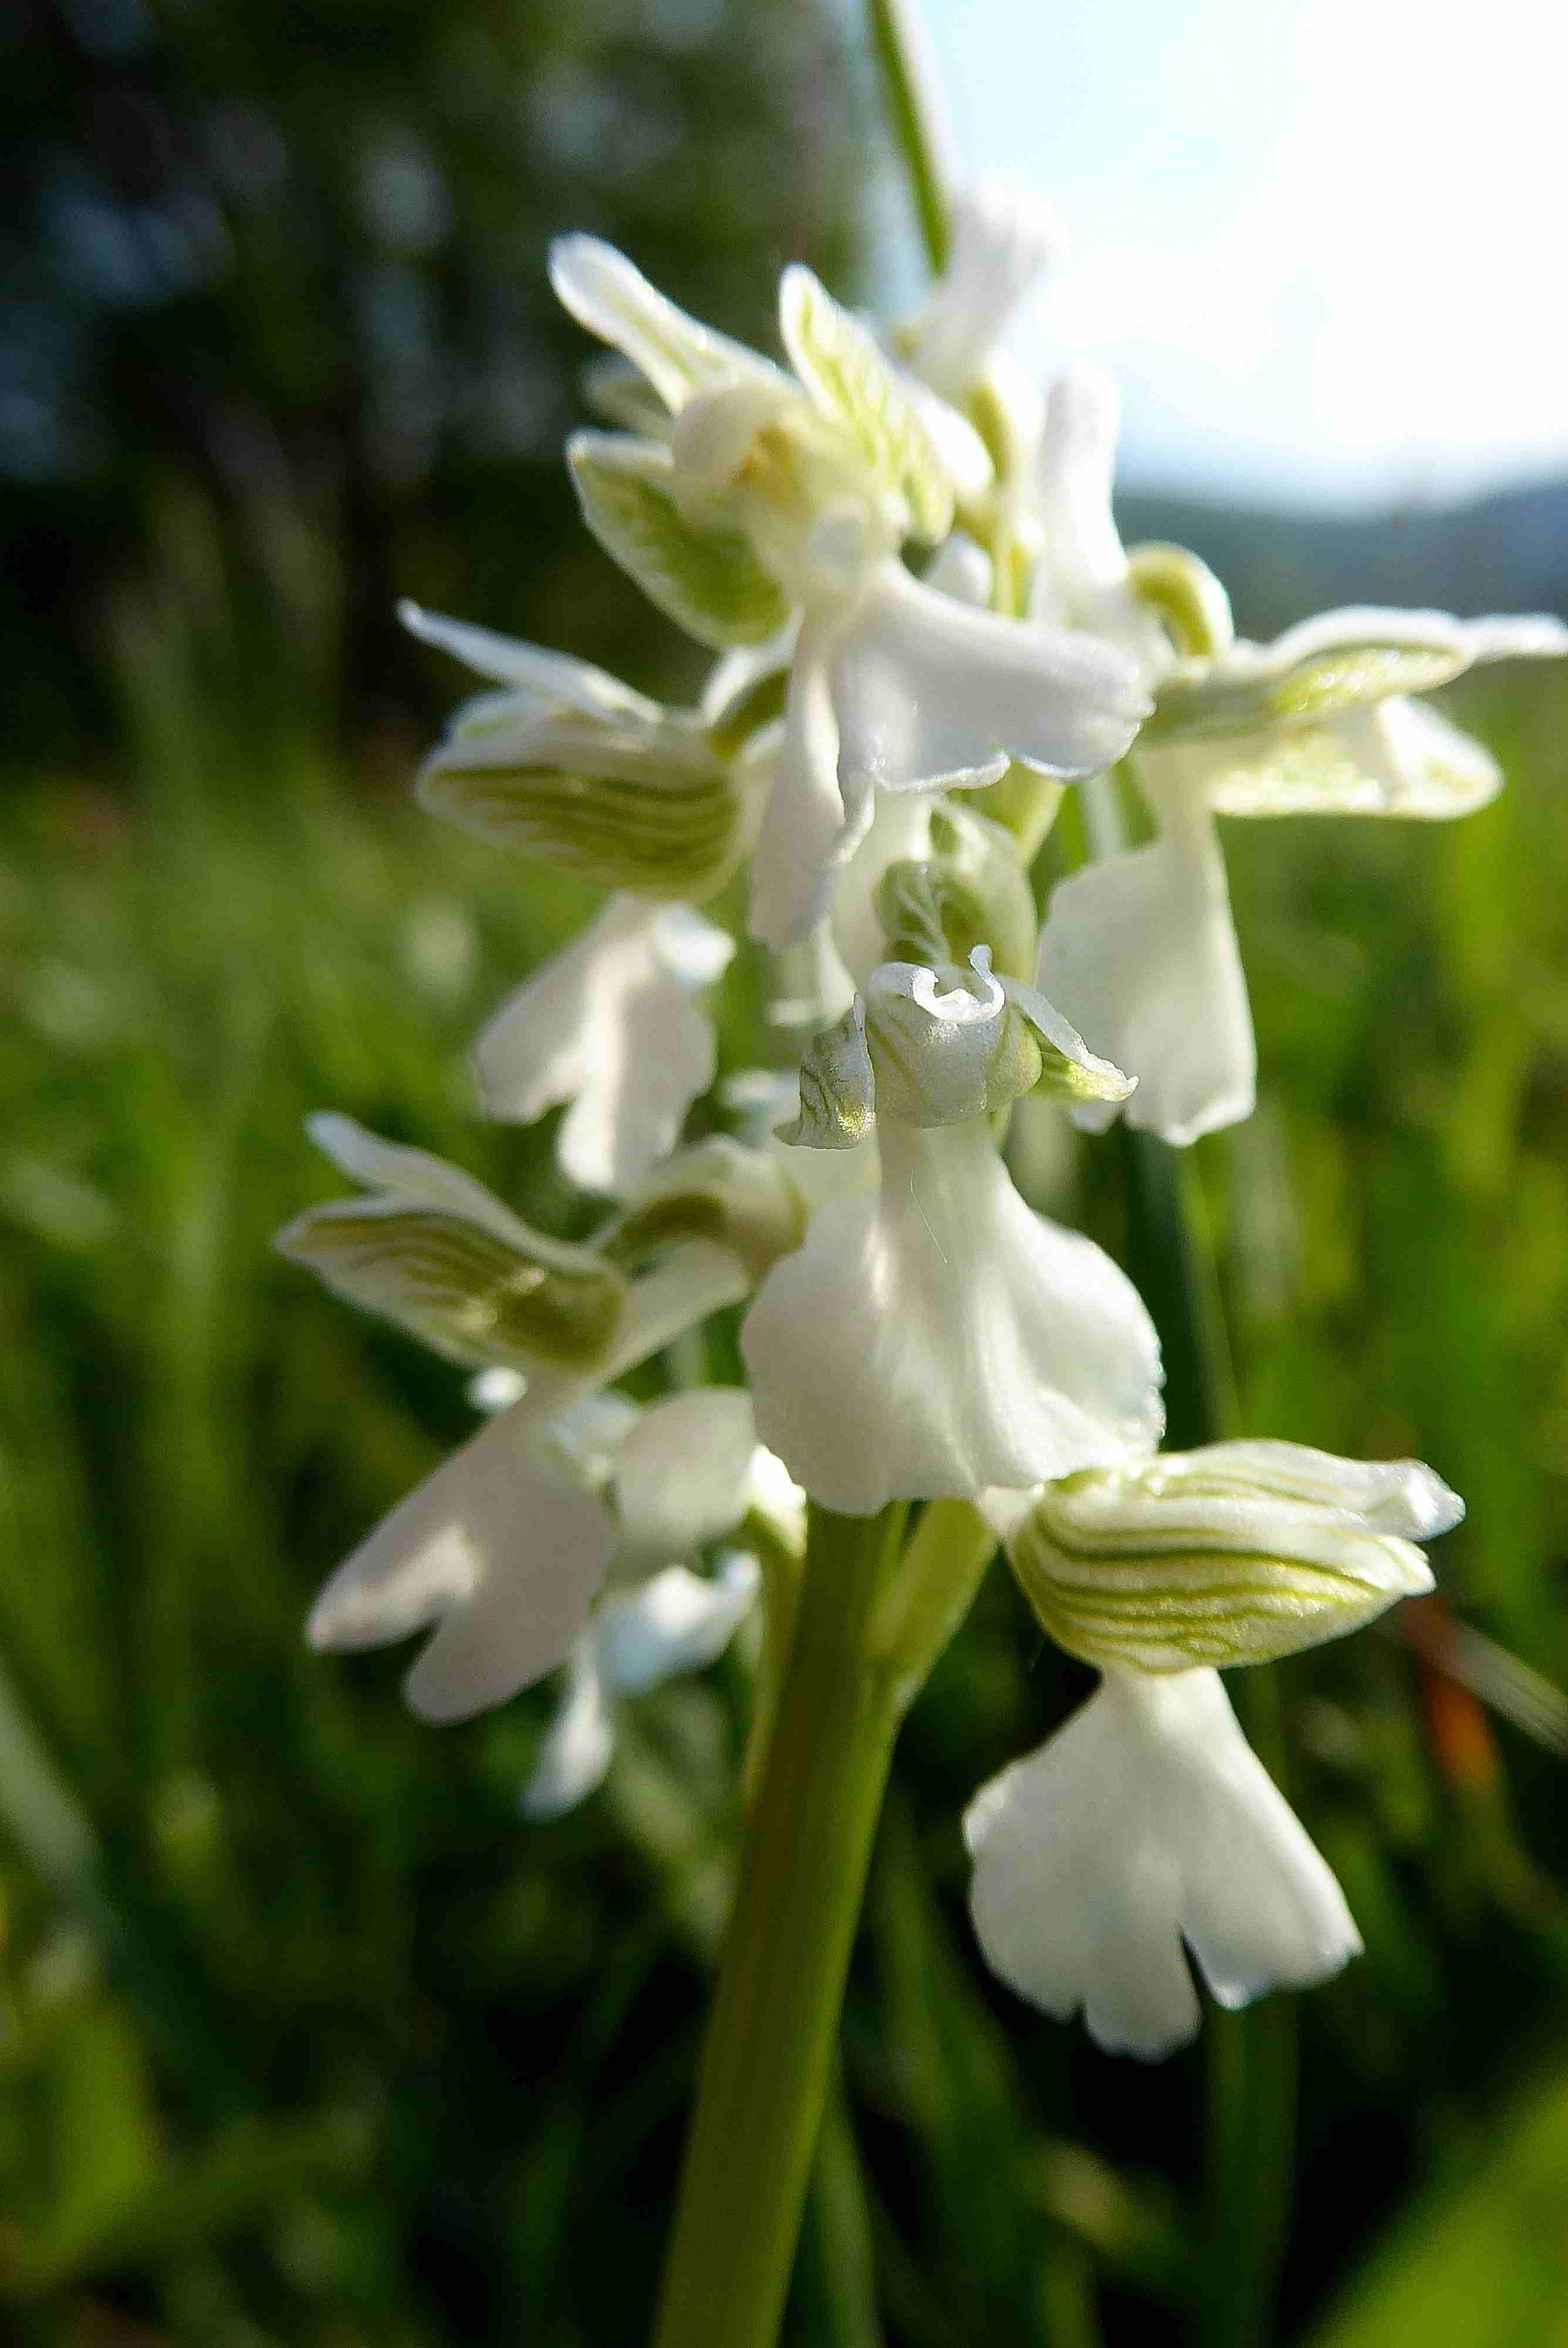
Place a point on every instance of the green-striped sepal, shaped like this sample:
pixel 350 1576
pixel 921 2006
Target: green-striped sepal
pixel 433 1250
pixel 1233 1554
pixel 644 805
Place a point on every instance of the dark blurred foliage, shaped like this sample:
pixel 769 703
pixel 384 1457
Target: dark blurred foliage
pixel 276 341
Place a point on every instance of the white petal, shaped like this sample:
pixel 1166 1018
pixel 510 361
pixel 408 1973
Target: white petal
pixel 1416 761
pixel 611 1026
pixel 900 827
pixel 942 1338
pixel 694 1280
pixel 1354 625
pixel 962 570
pixel 1140 953
pixel 693 950
pixel 931 693
pixel 736 672
pixel 610 296
pixel 1392 757
pixel 681 1474
pixel 1525 635
pixel 582 1441
pixel 1148 1819
pixel 1401 1497
pixel 541 679
pixel 1002 238
pixel 807 826
pixel 415 1177
pixel 678 1622
pixel 809 989
pixel 575 1750
pixel 1084 558
pixel 507 1557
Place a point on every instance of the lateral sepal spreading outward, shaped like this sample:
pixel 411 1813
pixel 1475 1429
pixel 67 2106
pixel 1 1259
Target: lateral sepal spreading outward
pixel 565 763
pixel 434 1251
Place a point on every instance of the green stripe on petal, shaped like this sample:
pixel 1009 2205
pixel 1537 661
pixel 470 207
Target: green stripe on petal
pixel 659 813
pixel 852 380
pixel 459 1286
pixel 706 577
pixel 1192 1560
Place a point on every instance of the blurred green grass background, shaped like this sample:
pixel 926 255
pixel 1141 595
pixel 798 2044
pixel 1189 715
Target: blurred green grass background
pixel 306 2039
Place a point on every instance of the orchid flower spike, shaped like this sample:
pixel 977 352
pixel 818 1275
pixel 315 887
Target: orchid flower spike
pixel 776 499
pixel 937 1336
pixel 1147 1827
pixel 505 1547
pixel 1141 948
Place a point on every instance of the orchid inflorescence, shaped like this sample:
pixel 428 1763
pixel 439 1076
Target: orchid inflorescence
pixel 925 626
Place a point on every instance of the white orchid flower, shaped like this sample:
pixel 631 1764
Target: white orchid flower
pixel 1002 239
pixel 614 1025
pixel 681 1473
pixel 938 1337
pixel 1147 1827
pixel 565 762
pixel 678 1622
pixel 504 1546
pixel 1141 948
pixel 775 494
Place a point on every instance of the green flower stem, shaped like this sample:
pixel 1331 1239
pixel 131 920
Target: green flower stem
pixel 932 1591
pixel 768 2062
pixel 911 111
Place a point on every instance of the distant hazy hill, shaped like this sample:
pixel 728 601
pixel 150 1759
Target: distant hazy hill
pixel 1502 553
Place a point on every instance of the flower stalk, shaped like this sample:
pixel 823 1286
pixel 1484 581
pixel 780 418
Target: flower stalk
pixel 768 2063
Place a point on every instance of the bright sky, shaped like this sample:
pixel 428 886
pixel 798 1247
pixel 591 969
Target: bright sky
pixel 1321 241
